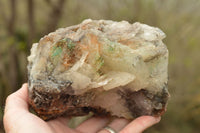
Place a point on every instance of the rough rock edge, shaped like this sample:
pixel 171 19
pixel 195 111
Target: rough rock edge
pixel 78 104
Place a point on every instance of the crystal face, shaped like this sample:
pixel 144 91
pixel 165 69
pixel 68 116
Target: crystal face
pixel 109 68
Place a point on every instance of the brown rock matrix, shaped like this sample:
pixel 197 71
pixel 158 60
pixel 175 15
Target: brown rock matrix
pixel 106 67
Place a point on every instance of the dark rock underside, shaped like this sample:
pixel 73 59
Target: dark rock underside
pixel 52 105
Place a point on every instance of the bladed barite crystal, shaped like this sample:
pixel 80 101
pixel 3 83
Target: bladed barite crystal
pixel 106 67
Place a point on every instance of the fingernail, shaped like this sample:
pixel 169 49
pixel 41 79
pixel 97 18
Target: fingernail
pixel 158 118
pixel 23 85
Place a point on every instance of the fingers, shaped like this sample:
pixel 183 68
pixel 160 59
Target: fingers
pixel 116 124
pixel 136 126
pixel 16 107
pixel 140 124
pixel 93 125
pixel 60 125
pixel 18 100
pixel 22 92
pixel 63 120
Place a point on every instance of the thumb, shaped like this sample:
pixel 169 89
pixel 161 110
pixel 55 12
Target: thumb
pixel 16 106
pixel 18 100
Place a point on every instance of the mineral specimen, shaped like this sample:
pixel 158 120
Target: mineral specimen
pixel 100 66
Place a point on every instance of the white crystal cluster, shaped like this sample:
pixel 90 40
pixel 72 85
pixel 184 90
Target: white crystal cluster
pixel 131 55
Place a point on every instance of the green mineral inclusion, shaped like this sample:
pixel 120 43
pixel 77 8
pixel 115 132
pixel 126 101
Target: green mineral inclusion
pixel 58 48
pixel 57 51
pixel 99 61
pixel 111 46
pixel 70 44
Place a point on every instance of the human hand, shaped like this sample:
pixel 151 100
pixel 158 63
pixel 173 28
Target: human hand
pixel 18 119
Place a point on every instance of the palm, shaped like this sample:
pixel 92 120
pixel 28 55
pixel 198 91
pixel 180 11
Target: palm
pixel 60 125
pixel 32 123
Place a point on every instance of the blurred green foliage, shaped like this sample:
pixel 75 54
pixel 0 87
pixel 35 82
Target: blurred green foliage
pixel 179 19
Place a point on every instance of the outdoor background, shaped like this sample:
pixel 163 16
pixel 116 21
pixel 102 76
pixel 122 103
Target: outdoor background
pixel 23 22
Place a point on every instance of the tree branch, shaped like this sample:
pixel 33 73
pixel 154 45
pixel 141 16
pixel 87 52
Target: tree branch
pixel 31 24
pixel 13 54
pixel 12 19
pixel 55 16
pixel 50 3
pixel 2 12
